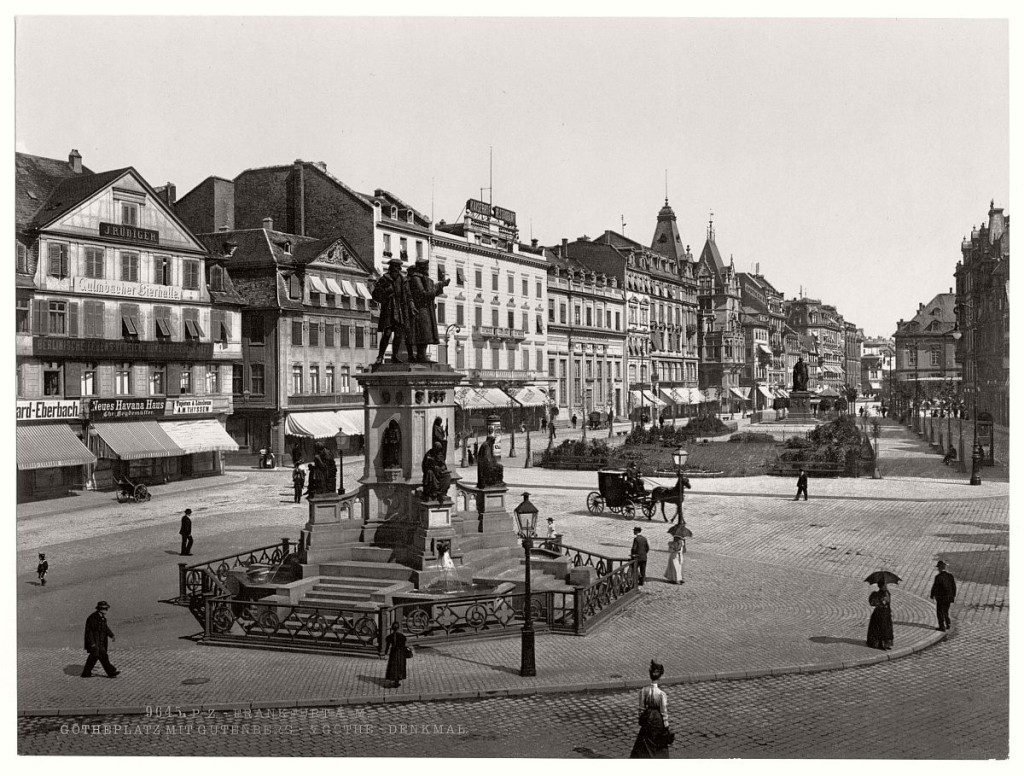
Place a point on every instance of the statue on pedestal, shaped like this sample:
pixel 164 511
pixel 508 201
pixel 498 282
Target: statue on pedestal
pixel 437 479
pixel 391 292
pixel 439 435
pixel 391 446
pixel 800 375
pixel 422 292
pixel 328 469
pixel 489 473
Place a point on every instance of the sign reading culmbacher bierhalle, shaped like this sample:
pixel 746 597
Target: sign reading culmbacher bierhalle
pixel 125 288
pixel 48 409
pixel 130 234
pixel 126 408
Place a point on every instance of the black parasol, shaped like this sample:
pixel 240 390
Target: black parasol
pixel 680 531
pixel 882 576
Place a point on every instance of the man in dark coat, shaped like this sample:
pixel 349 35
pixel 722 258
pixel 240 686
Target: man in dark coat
pixel 639 551
pixel 96 634
pixel 391 292
pixel 801 485
pixel 298 482
pixel 186 532
pixel 422 292
pixel 944 593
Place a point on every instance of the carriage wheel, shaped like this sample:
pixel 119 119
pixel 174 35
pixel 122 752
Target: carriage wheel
pixel 141 493
pixel 595 504
pixel 648 508
pixel 628 512
pixel 122 496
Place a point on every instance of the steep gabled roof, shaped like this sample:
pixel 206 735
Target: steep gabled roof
pixel 710 256
pixel 71 192
pixel 35 179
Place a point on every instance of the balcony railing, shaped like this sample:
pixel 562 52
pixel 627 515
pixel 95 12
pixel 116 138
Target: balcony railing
pixel 504 374
pixel 495 332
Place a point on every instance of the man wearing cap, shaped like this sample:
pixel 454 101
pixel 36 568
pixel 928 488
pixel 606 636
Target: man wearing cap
pixel 96 634
pixel 391 292
pixel 423 291
pixel 186 532
pixel 943 593
pixel 639 551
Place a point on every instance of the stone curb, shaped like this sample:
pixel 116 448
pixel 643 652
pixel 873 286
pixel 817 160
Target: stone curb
pixel 545 689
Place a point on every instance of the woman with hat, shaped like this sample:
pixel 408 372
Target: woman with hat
pixel 423 291
pixel 880 625
pixel 654 738
pixel 398 653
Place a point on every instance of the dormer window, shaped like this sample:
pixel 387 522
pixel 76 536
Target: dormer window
pixel 217 278
pixel 129 214
pixel 286 246
pixel 394 212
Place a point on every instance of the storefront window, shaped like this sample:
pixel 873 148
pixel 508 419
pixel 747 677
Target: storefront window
pixel 186 380
pixel 52 374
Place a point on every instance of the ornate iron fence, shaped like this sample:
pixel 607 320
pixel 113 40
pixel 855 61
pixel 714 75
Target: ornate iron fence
pixel 600 563
pixel 294 626
pixel 605 595
pixel 207 578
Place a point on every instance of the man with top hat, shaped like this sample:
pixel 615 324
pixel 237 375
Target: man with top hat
pixel 423 291
pixel 391 292
pixel 96 634
pixel 943 593
pixel 186 532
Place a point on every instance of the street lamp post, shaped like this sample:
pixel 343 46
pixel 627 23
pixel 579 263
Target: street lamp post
pixel 679 457
pixel 447 337
pixel 512 416
pixel 876 431
pixel 526 521
pixel 611 418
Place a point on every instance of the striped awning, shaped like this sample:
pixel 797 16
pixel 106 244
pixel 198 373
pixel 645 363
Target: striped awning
pixel 364 292
pixel 350 421
pixel 530 396
pixel 136 439
pixel 199 436
pixel 482 398
pixel 50 445
pixel 313 425
pixel 652 399
pixel 333 287
pixel 697 397
pixel 348 289
pixel 315 284
pixel 765 392
pixel 782 393
pixel 736 392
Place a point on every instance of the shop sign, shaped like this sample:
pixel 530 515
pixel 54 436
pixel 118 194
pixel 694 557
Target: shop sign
pixel 126 408
pixel 124 350
pixel 127 289
pixel 49 409
pixel 478 207
pixel 130 234
pixel 192 406
pixel 502 214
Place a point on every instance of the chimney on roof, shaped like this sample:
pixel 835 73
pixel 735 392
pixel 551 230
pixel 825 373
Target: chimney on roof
pixel 533 242
pixel 564 252
pixel 268 224
pixel 75 160
pixel 322 166
pixel 168 193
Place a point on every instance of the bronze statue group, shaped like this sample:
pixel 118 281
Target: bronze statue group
pixel 408 320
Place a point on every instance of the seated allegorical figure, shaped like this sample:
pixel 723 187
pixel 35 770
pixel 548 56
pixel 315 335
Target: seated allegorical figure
pixel 437 478
pixel 489 473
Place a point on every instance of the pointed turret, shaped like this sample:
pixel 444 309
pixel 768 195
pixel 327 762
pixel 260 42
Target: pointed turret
pixel 667 240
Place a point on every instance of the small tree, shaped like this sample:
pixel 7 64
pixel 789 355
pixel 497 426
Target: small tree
pixel 840 404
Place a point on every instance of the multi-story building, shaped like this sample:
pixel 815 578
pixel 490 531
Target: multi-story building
pixel 983 314
pixel 763 322
pixel 585 315
pixel 127 333
pixel 853 341
pixel 720 332
pixel 824 324
pixel 876 366
pixel 926 365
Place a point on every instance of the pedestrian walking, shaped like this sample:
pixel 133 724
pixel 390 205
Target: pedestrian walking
pixel 296 454
pixel 801 485
pixel 96 634
pixel 880 625
pixel 943 593
pixel 674 572
pixel 655 737
pixel 298 483
pixel 574 420
pixel 543 424
pixel 41 568
pixel 639 551
pixel 661 420
pixel 186 532
pixel 398 653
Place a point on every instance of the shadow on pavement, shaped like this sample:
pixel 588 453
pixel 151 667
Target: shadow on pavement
pixel 834 640
pixel 377 681
pixel 920 625
pixel 74 669
pixel 503 669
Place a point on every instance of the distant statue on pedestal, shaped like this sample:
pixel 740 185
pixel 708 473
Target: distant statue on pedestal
pixel 391 292
pixel 391 446
pixel 489 473
pixel 437 479
pixel 800 375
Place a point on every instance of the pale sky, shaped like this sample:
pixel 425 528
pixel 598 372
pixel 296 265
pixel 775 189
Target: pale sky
pixel 848 157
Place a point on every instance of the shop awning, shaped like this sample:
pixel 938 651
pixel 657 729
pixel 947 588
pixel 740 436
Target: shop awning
pixel 363 291
pixel 530 396
pixel 670 395
pixel 199 436
pixel 315 284
pixel 136 439
pixel 333 287
pixel 50 445
pixel 314 425
pixel 875 386
pixel 737 393
pixel 654 400
pixel 764 349
pixel 782 393
pixel 765 392
pixel 482 398
pixel 350 421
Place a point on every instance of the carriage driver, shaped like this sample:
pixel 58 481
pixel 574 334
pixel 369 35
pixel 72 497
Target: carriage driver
pixel 634 482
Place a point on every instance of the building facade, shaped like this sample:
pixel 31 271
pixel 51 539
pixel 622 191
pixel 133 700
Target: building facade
pixel 763 321
pixel 117 331
pixel 927 370
pixel 825 326
pixel 853 342
pixel 983 314
pixel 877 360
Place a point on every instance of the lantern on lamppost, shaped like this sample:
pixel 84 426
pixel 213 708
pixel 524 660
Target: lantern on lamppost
pixel 679 456
pixel 526 526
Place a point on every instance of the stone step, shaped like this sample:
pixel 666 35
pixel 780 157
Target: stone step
pixel 338 594
pixel 385 572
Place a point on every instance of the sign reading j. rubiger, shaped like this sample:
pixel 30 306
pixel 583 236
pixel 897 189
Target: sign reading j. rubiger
pixel 126 408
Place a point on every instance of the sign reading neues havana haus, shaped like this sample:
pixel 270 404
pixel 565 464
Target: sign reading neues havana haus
pixel 127 289
pixel 131 234
pixel 49 409
pixel 126 408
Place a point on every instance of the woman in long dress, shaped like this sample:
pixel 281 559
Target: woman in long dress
pixel 651 740
pixel 674 572
pixel 880 625
pixel 394 648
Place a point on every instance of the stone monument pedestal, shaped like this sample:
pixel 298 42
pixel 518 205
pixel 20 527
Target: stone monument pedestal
pixel 800 406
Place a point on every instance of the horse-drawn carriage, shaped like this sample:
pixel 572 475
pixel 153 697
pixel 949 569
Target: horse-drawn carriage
pixel 131 491
pixel 621 495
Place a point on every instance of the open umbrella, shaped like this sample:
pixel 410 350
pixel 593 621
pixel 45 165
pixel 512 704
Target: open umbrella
pixel 680 531
pixel 882 576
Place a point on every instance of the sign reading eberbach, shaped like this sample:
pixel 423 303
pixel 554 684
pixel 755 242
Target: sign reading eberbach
pixel 126 408
pixel 48 409
pixel 191 406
